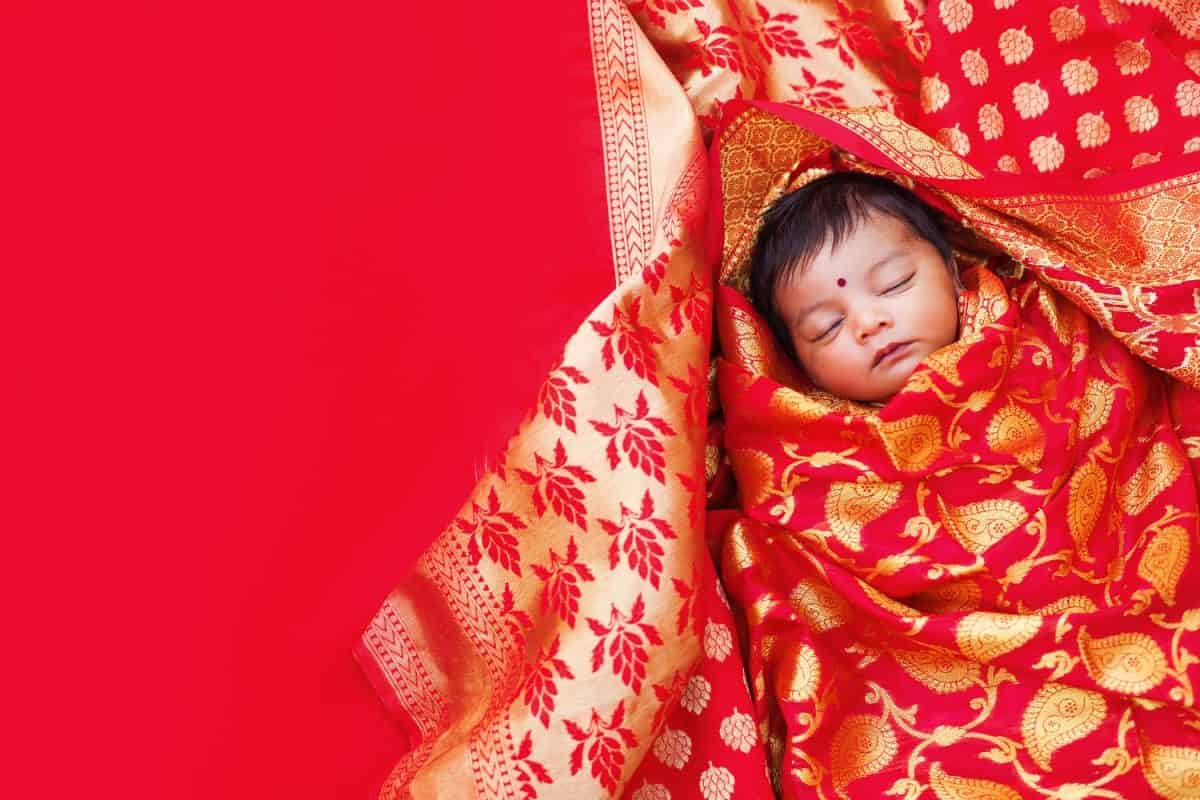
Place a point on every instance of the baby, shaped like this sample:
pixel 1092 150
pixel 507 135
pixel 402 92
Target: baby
pixel 857 281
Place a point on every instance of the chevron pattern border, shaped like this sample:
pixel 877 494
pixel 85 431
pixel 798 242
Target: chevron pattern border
pixel 623 127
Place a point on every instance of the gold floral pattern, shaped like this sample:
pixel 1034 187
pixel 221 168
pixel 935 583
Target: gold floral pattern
pixel 1015 45
pixel 1132 57
pixel 991 121
pixel 1047 153
pixel 956 15
pixel 1066 23
pixel 1092 130
pixel 1030 99
pixel 974 67
pixel 1079 76
pixel 1141 114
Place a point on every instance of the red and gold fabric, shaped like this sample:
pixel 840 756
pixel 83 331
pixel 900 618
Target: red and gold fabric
pixel 693 575
pixel 984 585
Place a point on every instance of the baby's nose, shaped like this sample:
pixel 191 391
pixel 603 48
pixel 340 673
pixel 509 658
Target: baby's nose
pixel 871 325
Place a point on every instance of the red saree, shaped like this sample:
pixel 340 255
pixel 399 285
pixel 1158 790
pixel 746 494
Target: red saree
pixel 983 589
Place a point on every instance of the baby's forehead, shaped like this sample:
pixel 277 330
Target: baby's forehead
pixel 871 235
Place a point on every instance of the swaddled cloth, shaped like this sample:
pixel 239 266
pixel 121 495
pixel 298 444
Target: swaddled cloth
pixel 990 578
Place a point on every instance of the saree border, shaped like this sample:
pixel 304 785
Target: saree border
pixel 624 139
pixel 1000 190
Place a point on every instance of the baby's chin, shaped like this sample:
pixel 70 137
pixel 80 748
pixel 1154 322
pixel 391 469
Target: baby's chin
pixel 878 392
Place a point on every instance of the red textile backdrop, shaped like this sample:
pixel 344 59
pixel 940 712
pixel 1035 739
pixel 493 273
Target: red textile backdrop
pixel 278 277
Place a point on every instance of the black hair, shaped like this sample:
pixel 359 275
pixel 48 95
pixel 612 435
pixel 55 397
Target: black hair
pixel 797 226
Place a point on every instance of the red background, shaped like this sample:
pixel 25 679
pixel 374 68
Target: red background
pixel 279 278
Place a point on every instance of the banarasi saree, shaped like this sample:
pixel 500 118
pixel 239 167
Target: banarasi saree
pixel 692 574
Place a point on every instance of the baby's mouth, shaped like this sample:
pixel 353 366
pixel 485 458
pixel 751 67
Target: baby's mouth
pixel 894 350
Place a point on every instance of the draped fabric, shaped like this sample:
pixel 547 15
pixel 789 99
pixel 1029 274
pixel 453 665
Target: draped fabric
pixel 692 574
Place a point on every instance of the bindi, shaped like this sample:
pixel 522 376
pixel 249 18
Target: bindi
pixel 841 281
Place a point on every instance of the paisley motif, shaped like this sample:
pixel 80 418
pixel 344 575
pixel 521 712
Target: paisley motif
pixel 819 605
pixel 940 671
pixel 799 674
pixel 1164 560
pixel 1086 493
pixel 862 745
pixel 977 526
pixel 1096 406
pixel 755 471
pixel 795 406
pixel 1057 716
pixel 887 602
pixel 743 329
pixel 912 443
pixel 985 635
pixel 1130 663
pixel 1160 469
pixel 742 550
pixel 947 598
pixel 1173 772
pixel 1076 603
pixel 944 362
pixel 950 787
pixel 1015 432
pixel 849 507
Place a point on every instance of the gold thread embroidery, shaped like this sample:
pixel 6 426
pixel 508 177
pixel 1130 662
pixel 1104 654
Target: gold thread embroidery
pixel 849 507
pixel 985 635
pixel 1160 469
pixel 1097 405
pixel 819 606
pixel 1086 493
pixel 1164 559
pixel 1015 432
pixel 950 787
pixel 941 672
pixel 912 443
pixel 1130 663
pixel 862 745
pixel 800 674
pixel 1173 772
pixel 979 525
pixel 1057 716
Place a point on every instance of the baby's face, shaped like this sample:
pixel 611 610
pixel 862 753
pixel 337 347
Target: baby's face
pixel 863 316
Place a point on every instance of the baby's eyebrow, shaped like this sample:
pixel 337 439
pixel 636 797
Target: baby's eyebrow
pixel 894 254
pixel 804 312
